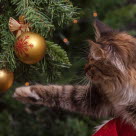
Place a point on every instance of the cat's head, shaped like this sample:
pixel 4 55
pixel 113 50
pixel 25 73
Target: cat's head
pixel 112 54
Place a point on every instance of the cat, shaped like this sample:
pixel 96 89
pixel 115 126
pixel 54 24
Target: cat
pixel 111 70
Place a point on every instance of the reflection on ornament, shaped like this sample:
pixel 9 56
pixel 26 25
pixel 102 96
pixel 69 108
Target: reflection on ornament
pixel 30 47
pixel 6 80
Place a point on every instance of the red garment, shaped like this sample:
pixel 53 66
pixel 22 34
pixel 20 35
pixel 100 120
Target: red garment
pixel 116 127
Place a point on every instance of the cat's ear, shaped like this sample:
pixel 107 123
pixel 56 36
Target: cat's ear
pixel 98 52
pixel 100 28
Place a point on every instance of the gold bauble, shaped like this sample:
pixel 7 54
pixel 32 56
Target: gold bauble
pixel 6 80
pixel 30 47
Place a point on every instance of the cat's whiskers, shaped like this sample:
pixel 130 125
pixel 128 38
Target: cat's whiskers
pixel 82 81
pixel 88 85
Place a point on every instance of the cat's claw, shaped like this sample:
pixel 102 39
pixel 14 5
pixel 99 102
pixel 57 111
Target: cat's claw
pixel 22 91
pixel 25 94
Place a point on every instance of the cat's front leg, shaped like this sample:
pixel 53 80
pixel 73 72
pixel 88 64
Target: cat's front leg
pixel 87 100
pixel 69 97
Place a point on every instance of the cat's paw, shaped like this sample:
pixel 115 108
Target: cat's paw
pixel 27 95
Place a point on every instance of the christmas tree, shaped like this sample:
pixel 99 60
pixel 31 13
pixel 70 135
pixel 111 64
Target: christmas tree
pixel 45 18
pixel 62 63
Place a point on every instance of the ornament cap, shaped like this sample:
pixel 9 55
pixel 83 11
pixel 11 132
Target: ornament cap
pixel 21 19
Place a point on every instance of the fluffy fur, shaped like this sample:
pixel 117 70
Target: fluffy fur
pixel 111 69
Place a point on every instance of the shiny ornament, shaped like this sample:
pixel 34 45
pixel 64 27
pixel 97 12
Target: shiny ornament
pixel 30 47
pixel 18 26
pixel 6 80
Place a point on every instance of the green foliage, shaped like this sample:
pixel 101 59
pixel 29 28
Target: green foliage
pixel 57 54
pixel 55 59
pixel 121 17
pixel 7 57
pixel 44 18
pixel 71 127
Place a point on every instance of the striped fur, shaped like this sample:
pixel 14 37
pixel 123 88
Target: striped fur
pixel 112 71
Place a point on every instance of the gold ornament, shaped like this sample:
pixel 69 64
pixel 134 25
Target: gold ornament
pixel 30 47
pixel 18 26
pixel 6 80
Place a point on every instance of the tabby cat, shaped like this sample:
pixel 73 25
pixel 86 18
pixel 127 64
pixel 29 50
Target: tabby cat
pixel 111 70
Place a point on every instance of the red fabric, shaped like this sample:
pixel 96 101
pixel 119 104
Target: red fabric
pixel 116 127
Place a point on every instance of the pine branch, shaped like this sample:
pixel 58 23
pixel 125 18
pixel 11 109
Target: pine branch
pixel 57 54
pixel 61 13
pixel 39 21
pixel 7 57
pixel 44 16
